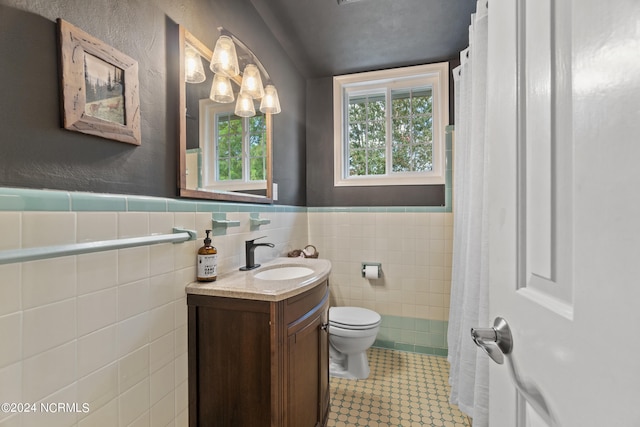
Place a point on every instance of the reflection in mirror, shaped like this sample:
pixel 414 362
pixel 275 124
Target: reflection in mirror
pixel 223 154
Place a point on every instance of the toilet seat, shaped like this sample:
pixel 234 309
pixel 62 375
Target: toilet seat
pixel 353 318
pixel 352 333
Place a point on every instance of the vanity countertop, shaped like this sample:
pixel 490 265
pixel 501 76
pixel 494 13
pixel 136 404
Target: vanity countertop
pixel 244 284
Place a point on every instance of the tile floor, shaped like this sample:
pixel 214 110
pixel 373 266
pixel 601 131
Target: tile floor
pixel 403 389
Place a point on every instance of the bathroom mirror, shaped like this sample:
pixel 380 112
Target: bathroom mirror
pixel 222 156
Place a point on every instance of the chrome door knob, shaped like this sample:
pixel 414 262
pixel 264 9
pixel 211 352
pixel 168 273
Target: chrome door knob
pixel 496 342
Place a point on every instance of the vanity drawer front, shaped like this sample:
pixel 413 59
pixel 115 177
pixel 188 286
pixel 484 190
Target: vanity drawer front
pixel 298 306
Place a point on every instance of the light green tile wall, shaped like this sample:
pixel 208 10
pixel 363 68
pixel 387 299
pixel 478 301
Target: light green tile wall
pixel 22 199
pixel 415 335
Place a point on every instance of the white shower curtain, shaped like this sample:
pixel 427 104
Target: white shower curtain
pixel 469 372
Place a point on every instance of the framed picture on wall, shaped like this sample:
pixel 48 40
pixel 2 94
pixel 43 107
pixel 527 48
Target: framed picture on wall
pixel 99 87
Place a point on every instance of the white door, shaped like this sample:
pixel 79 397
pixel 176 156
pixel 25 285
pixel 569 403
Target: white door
pixel 564 138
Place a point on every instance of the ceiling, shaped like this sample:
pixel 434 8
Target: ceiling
pixel 325 39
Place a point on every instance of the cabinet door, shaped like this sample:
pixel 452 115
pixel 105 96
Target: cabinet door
pixel 324 365
pixel 308 384
pixel 230 364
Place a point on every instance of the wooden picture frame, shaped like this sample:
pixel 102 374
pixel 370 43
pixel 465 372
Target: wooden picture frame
pixel 100 93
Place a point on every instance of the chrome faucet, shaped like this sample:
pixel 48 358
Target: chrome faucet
pixel 249 247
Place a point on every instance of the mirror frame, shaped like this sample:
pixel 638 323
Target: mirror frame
pixel 186 37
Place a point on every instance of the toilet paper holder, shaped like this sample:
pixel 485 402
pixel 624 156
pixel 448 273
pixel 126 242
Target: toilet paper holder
pixel 371 264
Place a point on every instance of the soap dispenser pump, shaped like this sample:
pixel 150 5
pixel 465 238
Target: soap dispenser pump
pixel 207 261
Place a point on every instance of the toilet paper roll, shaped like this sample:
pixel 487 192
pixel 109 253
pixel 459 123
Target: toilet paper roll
pixel 372 271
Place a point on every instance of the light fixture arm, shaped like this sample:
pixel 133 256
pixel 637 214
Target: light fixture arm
pixel 224 32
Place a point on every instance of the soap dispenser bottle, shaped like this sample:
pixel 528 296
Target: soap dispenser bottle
pixel 207 261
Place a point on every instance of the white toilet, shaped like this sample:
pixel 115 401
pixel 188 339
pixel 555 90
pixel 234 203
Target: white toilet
pixel 352 330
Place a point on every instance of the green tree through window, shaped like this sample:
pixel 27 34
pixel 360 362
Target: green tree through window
pixel 257 148
pixel 412 127
pixel 411 132
pixel 240 147
pixel 367 135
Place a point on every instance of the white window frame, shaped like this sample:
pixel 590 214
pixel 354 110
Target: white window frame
pixel 434 75
pixel 208 132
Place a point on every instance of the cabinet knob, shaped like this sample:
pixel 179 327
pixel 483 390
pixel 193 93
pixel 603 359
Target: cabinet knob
pixel 324 326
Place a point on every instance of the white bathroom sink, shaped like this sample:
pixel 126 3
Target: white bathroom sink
pixel 283 273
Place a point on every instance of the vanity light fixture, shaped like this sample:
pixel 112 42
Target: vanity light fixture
pixel 270 105
pixel 244 106
pixel 252 82
pixel 221 90
pixel 225 62
pixel 270 102
pixel 194 71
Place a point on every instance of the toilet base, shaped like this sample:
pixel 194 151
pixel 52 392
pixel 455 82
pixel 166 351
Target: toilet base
pixel 350 366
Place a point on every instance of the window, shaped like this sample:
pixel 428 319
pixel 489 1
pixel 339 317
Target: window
pixel 236 157
pixel 389 126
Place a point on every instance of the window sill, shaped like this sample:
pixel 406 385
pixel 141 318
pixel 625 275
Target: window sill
pixel 386 181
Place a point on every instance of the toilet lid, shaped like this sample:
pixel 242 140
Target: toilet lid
pixel 353 317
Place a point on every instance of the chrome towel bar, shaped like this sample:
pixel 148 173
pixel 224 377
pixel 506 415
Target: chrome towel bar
pixel 31 254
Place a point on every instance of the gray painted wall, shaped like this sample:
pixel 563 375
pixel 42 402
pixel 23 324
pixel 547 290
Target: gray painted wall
pixel 36 152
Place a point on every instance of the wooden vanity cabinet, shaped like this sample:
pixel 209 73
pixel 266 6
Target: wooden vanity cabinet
pixel 259 363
